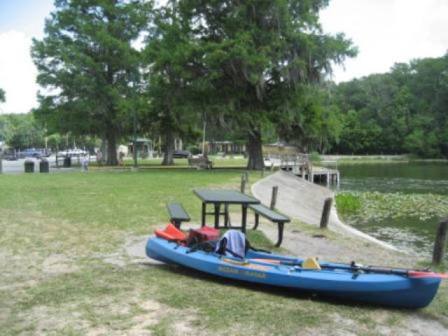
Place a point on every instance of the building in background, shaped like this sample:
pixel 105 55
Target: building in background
pixel 144 146
pixel 224 148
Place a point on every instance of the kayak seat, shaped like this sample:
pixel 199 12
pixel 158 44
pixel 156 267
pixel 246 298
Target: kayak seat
pixel 311 263
pixel 171 233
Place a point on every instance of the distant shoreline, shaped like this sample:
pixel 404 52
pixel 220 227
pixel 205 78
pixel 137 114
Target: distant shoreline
pixel 379 158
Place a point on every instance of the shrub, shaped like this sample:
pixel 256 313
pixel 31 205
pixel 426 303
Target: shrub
pixel 348 204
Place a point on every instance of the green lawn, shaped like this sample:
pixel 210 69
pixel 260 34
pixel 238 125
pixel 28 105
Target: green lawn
pixel 218 162
pixel 65 269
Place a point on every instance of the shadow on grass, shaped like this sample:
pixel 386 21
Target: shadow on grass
pixel 284 292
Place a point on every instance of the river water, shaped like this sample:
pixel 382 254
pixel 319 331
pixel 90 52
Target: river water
pixel 412 231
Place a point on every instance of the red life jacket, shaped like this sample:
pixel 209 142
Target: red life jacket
pixel 171 233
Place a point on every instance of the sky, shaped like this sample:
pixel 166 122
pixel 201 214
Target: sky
pixel 385 32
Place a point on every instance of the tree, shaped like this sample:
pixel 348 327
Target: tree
pixel 315 124
pixel 2 95
pixel 89 68
pixel 170 90
pixel 5 127
pixel 21 131
pixel 258 56
pixel 403 111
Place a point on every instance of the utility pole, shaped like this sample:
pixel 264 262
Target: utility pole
pixel 135 141
pixel 203 136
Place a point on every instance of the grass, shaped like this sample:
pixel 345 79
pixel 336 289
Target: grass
pixel 238 162
pixel 60 230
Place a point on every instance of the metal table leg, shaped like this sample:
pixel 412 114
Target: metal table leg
pixel 280 234
pixel 217 206
pixel 204 208
pixel 244 218
pixel 257 221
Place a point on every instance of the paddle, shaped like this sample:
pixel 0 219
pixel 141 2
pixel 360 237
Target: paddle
pixel 420 274
pixel 405 272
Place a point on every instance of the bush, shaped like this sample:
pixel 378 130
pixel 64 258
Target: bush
pixel 194 150
pixel 348 204
pixel 315 157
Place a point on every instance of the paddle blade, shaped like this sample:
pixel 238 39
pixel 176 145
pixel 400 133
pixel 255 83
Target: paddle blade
pixel 420 274
pixel 268 261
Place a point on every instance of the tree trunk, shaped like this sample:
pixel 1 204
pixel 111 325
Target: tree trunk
pixel 111 139
pixel 168 148
pixel 255 151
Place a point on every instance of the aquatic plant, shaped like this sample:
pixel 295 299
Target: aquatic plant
pixel 364 207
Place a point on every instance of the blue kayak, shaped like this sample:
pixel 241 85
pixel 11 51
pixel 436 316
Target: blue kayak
pixel 334 280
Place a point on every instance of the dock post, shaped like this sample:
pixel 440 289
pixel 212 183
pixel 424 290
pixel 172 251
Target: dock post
pixel 440 242
pixel 243 184
pixel 326 213
pixel 274 197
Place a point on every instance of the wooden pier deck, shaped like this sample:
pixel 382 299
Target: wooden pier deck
pixel 316 174
pixel 301 166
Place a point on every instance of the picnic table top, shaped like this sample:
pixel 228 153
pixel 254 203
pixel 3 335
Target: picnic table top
pixel 224 196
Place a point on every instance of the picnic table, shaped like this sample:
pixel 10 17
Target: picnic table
pixel 224 197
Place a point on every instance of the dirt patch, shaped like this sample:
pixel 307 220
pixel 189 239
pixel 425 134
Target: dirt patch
pixel 49 320
pixel 135 248
pixel 153 313
pixel 110 316
pixel 57 264
pixel 416 325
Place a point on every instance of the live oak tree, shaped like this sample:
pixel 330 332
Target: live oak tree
pixel 169 52
pixel 314 125
pixel 89 69
pixel 259 56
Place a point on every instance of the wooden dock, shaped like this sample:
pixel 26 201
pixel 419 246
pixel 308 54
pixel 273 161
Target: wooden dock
pixel 300 166
pixel 316 174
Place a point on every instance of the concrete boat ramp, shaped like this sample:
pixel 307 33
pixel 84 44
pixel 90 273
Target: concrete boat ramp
pixel 303 200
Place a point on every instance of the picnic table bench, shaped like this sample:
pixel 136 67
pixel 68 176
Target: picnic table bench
pixel 200 162
pixel 177 214
pixel 273 216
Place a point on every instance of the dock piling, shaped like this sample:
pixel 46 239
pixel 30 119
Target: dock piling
pixel 440 242
pixel 243 183
pixel 274 197
pixel 326 213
